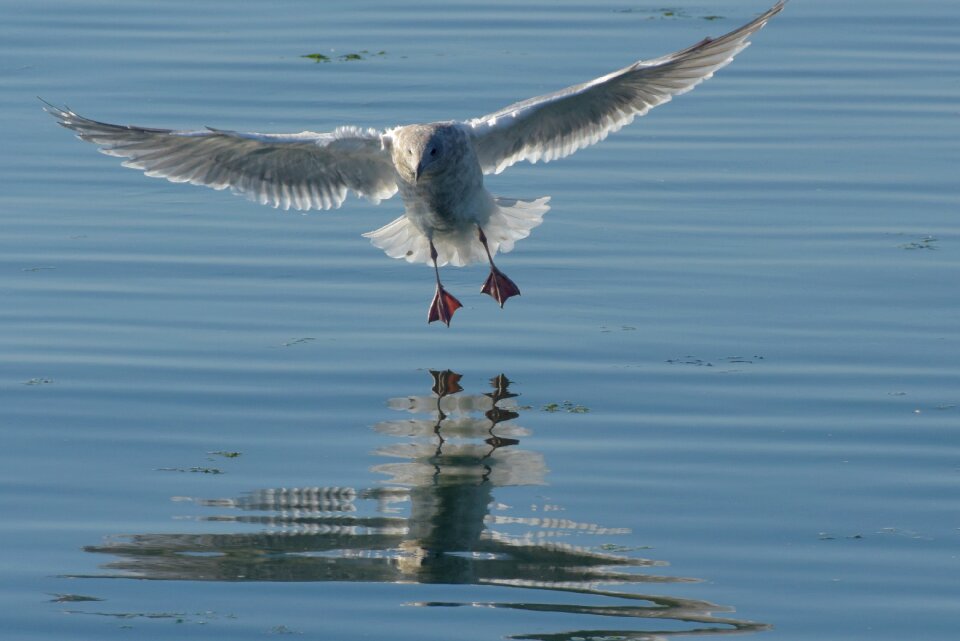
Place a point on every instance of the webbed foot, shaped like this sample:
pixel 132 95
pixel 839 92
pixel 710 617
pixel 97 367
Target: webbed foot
pixel 443 306
pixel 499 286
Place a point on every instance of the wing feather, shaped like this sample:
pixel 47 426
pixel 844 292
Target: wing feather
pixel 303 171
pixel 555 125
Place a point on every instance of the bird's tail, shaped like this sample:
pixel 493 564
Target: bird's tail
pixel 511 220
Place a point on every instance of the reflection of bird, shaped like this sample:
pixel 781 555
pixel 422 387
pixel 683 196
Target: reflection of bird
pixel 455 532
pixel 438 168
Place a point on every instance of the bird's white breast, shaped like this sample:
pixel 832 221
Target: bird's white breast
pixel 450 198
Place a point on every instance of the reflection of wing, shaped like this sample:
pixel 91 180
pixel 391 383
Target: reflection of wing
pixel 304 171
pixel 556 125
pixel 301 499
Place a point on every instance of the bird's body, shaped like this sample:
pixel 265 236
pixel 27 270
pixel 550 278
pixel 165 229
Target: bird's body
pixel 438 168
pixel 440 198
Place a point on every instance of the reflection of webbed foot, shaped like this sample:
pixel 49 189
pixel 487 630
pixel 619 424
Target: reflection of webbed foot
pixel 446 382
pixel 499 415
pixel 443 306
pixel 499 441
pixel 501 386
pixel 499 286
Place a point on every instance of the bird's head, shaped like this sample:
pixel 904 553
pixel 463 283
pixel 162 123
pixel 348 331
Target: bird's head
pixel 418 151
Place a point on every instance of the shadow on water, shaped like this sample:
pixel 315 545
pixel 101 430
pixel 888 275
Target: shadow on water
pixel 434 521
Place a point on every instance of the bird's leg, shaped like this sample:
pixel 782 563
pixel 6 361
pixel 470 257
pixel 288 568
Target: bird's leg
pixel 444 304
pixel 497 284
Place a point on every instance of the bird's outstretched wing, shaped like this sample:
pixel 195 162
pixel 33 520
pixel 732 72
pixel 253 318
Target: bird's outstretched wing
pixel 303 171
pixel 556 125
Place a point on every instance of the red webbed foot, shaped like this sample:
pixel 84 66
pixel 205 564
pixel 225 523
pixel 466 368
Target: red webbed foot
pixel 443 306
pixel 499 286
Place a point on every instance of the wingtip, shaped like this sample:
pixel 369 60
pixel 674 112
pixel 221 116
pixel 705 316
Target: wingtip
pixel 62 114
pixel 49 107
pixel 775 9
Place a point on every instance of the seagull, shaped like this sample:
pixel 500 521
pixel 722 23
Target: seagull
pixel 438 168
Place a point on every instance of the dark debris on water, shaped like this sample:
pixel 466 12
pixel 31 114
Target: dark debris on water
pixel 565 406
pixel 346 57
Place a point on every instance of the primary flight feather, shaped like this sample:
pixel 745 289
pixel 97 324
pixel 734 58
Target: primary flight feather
pixel 438 168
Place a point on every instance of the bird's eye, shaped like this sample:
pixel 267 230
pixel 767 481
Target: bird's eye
pixel 433 152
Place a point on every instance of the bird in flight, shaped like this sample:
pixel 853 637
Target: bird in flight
pixel 438 168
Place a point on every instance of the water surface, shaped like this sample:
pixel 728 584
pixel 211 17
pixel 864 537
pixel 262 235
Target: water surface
pixel 725 403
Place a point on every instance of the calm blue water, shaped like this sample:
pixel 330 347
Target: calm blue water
pixel 731 389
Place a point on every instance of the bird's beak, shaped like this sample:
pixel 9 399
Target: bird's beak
pixel 417 173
